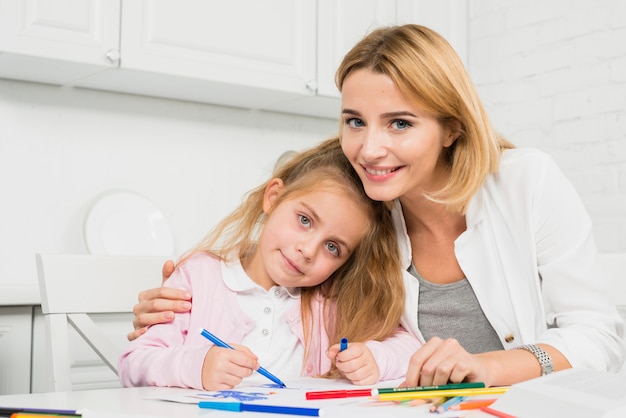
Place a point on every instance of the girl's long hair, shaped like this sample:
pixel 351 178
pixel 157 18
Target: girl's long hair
pixel 429 73
pixel 364 298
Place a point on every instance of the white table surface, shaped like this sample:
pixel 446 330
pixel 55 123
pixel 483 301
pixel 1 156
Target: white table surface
pixel 137 403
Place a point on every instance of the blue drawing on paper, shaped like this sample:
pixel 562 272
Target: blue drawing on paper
pixel 235 394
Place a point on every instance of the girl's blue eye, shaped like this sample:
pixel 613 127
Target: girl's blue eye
pixel 355 123
pixel 400 124
pixel 304 220
pixel 333 248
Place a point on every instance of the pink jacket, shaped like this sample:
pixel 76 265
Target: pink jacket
pixel 172 354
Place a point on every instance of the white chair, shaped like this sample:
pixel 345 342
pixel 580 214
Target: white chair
pixel 75 289
pixel 614 267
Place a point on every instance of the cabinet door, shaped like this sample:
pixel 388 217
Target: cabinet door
pixel 268 45
pixel 57 41
pixel 15 349
pixel 341 24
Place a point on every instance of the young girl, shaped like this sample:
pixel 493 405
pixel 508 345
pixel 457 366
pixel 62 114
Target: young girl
pixel 307 259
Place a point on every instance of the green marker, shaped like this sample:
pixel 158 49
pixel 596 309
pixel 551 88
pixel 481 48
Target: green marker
pixel 426 388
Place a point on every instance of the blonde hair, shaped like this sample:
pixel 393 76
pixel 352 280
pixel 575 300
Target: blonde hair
pixel 428 71
pixel 364 298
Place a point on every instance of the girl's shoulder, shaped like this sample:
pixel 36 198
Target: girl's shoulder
pixel 202 259
pixel 199 266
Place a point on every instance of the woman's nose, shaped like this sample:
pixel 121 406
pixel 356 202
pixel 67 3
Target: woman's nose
pixel 373 146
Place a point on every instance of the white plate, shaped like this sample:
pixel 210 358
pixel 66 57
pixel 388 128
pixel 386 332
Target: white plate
pixel 125 223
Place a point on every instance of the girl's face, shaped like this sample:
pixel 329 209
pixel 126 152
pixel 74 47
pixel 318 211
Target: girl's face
pixel 306 238
pixel 395 146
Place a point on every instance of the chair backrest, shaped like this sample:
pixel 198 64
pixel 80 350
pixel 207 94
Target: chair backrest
pixel 75 289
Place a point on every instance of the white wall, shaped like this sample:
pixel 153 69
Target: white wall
pixel 552 74
pixel 62 148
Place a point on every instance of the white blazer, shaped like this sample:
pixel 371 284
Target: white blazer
pixel 529 254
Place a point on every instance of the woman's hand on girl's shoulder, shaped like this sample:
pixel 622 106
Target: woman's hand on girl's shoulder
pixel 158 305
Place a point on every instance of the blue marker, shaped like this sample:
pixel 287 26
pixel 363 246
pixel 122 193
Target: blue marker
pixel 206 334
pixel 272 409
pixel 343 344
pixel 448 403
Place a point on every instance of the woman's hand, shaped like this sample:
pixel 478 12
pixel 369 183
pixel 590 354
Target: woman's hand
pixel 439 362
pixel 158 305
pixel 224 368
pixel 356 363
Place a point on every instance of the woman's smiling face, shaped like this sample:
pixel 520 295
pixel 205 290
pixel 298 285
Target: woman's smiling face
pixel 395 147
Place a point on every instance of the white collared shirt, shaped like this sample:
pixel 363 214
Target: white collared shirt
pixel 271 338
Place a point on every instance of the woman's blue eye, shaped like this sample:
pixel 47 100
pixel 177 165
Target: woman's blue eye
pixel 354 123
pixel 332 248
pixel 400 124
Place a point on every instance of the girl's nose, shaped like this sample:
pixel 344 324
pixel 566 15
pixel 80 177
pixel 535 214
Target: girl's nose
pixel 306 248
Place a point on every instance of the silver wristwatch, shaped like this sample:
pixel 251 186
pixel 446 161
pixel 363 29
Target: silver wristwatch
pixel 544 359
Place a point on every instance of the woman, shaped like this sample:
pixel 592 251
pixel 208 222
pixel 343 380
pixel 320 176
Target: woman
pixel 501 275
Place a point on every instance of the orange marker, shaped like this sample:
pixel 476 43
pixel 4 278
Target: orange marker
pixel 477 404
pixel 36 415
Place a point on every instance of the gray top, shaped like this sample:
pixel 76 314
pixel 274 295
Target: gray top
pixel 452 311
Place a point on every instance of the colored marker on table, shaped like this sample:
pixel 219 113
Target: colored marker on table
pixel 438 402
pixel 336 394
pixel 206 334
pixel 40 415
pixel 467 405
pixel 253 407
pixel 402 396
pixel 352 393
pixel 343 344
pixel 469 385
pixel 450 402
pixel 7 411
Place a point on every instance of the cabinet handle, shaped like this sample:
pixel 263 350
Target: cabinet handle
pixel 312 86
pixel 113 55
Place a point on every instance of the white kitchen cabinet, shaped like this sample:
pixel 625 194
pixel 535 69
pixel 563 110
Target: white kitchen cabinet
pixel 57 42
pixel 15 349
pixel 278 55
pixel 341 24
pixel 244 53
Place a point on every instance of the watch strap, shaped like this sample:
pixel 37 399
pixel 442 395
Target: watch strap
pixel 543 358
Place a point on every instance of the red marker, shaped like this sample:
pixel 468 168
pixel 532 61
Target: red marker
pixel 334 394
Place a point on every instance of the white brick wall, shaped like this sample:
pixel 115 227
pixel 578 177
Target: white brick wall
pixel 552 74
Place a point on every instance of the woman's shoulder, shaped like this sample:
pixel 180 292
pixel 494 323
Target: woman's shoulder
pixel 528 163
pixel 523 157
